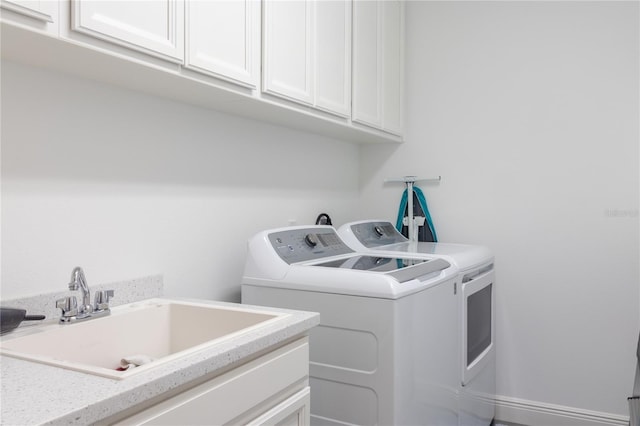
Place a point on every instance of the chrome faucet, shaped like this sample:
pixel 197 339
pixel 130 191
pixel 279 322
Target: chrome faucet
pixel 78 281
pixel 69 305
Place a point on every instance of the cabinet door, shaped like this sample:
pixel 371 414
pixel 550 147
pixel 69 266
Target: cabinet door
pixel 377 64
pixel 392 66
pixel 151 26
pixel 287 52
pixel 333 56
pixel 42 10
pixel 223 39
pixel 367 63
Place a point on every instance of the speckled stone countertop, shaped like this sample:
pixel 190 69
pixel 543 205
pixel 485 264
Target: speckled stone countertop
pixel 34 393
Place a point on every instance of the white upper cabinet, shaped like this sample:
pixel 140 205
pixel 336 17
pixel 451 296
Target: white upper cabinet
pixel 223 39
pixel 392 66
pixel 41 15
pixel 378 37
pixel 287 70
pixel 41 10
pixel 152 26
pixel 367 63
pixel 333 56
pixel 306 56
pixel 332 67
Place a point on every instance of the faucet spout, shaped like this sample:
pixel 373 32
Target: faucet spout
pixel 79 282
pixel 73 311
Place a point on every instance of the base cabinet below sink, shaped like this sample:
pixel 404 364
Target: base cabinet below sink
pixel 272 389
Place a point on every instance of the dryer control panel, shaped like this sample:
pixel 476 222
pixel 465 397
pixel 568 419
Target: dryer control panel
pixel 299 245
pixel 375 234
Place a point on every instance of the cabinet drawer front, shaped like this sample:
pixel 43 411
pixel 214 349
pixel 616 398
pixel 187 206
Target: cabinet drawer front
pixel 224 398
pixel 292 412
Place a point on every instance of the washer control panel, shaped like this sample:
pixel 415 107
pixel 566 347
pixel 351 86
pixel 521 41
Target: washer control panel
pixel 375 234
pixel 299 245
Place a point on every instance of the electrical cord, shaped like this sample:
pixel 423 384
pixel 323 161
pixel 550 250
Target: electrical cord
pixel 323 219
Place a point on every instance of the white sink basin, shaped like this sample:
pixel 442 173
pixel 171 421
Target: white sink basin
pixel 159 328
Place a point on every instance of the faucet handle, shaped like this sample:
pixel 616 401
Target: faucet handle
pixel 102 299
pixel 69 307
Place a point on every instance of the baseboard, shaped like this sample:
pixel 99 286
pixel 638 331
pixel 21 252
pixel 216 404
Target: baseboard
pixel 525 412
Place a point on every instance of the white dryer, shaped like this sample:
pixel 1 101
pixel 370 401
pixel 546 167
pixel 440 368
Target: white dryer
pixel 385 350
pixel 476 308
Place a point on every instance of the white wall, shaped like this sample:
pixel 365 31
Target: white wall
pixel 128 185
pixel 529 111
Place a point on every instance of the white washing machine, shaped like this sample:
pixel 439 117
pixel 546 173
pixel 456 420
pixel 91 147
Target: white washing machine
pixel 385 352
pixel 476 308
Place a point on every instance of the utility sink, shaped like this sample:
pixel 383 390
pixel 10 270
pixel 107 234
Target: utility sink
pixel 162 329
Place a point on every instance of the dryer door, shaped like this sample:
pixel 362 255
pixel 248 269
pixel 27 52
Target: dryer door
pixel 478 322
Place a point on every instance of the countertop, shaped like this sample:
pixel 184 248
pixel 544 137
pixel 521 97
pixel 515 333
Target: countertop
pixel 34 393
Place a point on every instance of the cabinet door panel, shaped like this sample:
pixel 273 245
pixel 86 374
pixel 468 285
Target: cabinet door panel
pixel 392 81
pixel 153 26
pixel 367 63
pixel 42 10
pixel 377 64
pixel 287 49
pixel 333 55
pixel 223 39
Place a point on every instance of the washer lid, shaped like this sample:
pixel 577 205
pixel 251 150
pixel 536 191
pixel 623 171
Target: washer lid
pixel 381 236
pixel 403 269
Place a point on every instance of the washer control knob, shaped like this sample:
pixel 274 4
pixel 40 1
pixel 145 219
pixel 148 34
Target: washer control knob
pixel 311 240
pixel 379 231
